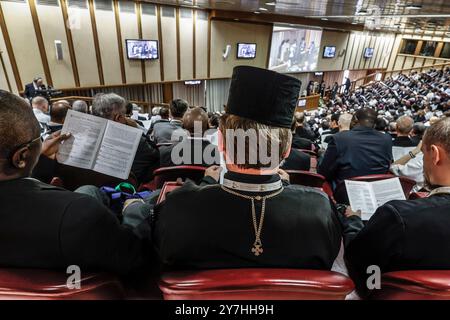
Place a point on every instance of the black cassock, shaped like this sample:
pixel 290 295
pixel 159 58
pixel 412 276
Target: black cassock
pixel 203 226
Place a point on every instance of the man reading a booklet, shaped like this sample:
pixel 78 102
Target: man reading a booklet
pixel 412 234
pixel 43 226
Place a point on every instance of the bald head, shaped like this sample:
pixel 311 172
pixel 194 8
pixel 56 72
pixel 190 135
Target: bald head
pixel 59 111
pixel 404 125
pixel 194 115
pixel 40 103
pixel 17 123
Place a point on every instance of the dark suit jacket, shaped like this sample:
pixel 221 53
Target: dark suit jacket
pixel 30 91
pixel 404 142
pixel 186 150
pixel 163 130
pixel 42 226
pixel 206 227
pixel 401 235
pixel 145 161
pixel 360 151
pixel 297 160
pixel 301 143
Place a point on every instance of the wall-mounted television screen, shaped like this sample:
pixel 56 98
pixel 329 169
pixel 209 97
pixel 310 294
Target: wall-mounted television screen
pixel 294 49
pixel 246 50
pixel 329 51
pixel 142 49
pixel 368 52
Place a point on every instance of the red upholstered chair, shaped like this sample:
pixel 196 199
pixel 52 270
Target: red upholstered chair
pixel 340 193
pixel 313 155
pixel 418 195
pixel 255 284
pixel 34 284
pixel 414 285
pixel 162 175
pixel 309 179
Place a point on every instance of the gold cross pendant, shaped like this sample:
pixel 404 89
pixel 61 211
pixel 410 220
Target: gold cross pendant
pixel 257 249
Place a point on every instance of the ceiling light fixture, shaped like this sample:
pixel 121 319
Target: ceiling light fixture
pixel 413 7
pixel 256 12
pixel 324 19
pixel 271 4
pixel 262 9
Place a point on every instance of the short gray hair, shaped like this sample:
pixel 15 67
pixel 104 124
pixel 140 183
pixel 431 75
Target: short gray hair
pixel 106 105
pixel 80 106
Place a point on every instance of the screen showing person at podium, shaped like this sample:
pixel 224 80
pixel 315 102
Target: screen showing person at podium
pixel 294 49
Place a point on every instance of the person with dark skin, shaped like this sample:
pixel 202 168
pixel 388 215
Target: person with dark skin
pixel 43 226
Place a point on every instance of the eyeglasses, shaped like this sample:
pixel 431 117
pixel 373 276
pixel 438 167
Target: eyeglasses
pixel 24 145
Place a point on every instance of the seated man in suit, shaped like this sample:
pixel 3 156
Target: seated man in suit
pixel 194 149
pixel 58 115
pixel 162 131
pixel 31 89
pixel 360 151
pixel 408 234
pixel 43 226
pixel 112 107
pixel 207 225
pixel 402 143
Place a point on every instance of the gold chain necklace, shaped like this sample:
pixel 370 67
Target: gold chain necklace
pixel 257 248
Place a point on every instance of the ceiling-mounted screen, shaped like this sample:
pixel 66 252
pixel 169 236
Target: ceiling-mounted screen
pixel 329 51
pixel 142 49
pixel 368 53
pixel 294 49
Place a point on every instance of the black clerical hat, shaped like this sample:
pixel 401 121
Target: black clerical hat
pixel 264 96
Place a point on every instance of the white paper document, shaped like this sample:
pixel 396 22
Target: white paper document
pixel 98 144
pixel 368 196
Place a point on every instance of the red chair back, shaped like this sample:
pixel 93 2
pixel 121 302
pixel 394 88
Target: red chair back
pixel 309 179
pixel 34 284
pixel 340 193
pixel 162 175
pixel 414 285
pixel 255 284
pixel 418 195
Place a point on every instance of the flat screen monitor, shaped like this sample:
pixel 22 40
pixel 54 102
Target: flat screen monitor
pixel 368 53
pixel 294 49
pixel 329 51
pixel 142 49
pixel 246 50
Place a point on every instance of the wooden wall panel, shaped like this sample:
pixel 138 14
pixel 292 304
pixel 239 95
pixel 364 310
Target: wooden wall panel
pixel 201 47
pixel 107 37
pixel 169 41
pixel 7 77
pixel 332 38
pixel 83 42
pixel 230 33
pixel 186 47
pixel 150 32
pixel 53 28
pixel 129 30
pixel 21 31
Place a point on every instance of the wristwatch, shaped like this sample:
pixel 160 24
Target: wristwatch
pixel 412 155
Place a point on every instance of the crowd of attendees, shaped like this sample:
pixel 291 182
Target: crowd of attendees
pixel 400 125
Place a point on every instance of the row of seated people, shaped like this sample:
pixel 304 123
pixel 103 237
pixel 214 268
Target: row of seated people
pixel 255 218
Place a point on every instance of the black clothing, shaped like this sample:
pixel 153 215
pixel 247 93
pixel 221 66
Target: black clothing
pixel 401 235
pixel 43 226
pixel 203 226
pixel 195 149
pixel 358 152
pixel 145 161
pixel 404 142
pixel 297 160
pixel 301 143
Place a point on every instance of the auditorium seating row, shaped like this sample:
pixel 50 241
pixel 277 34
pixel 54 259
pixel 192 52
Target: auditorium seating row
pixel 245 284
pixel 225 284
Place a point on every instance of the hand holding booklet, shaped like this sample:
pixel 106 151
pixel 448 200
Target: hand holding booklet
pixel 99 144
pixel 368 196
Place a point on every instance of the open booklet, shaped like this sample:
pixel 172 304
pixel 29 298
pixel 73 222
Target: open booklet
pixel 368 196
pixel 99 144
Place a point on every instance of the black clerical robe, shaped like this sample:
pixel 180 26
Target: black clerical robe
pixel 203 226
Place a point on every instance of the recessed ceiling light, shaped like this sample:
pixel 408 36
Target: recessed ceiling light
pixel 256 12
pixel 413 7
pixel 262 9
pixel 271 4
pixel 354 22
pixel 324 19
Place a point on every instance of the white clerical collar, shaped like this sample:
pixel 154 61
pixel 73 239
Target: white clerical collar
pixel 440 190
pixel 251 187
